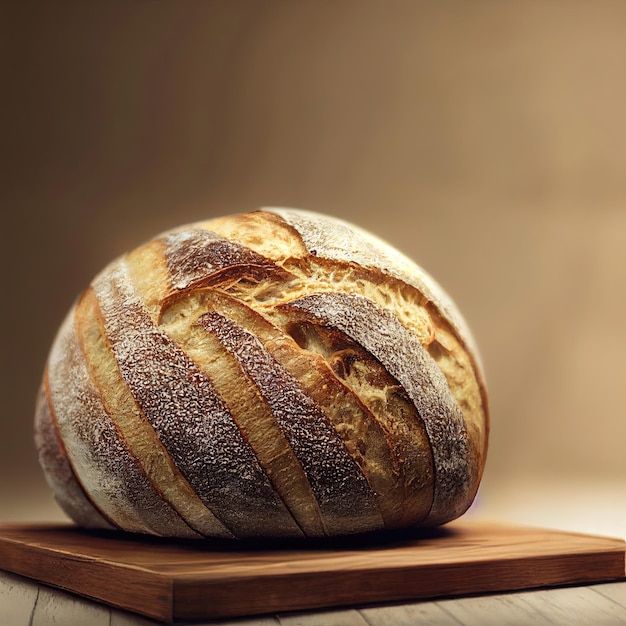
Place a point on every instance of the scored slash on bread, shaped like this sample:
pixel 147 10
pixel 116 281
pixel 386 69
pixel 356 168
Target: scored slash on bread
pixel 276 373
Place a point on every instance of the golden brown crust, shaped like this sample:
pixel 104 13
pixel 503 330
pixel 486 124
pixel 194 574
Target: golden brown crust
pixel 372 444
pixel 180 513
pixel 410 365
pixel 418 301
pixel 57 468
pixel 192 421
pixel 344 496
pixel 390 439
pixel 291 375
pixel 257 423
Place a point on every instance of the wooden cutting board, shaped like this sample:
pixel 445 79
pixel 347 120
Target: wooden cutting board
pixel 173 580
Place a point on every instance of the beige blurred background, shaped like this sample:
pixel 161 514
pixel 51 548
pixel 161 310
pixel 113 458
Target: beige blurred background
pixel 485 139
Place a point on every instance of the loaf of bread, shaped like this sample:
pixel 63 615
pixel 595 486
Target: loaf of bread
pixel 277 373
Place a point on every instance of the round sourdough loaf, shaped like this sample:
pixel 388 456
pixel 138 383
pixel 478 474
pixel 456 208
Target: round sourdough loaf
pixel 277 373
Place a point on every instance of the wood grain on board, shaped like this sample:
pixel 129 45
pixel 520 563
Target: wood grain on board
pixel 182 580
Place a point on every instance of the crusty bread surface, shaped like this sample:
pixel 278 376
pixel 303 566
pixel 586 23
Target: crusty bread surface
pixel 277 373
